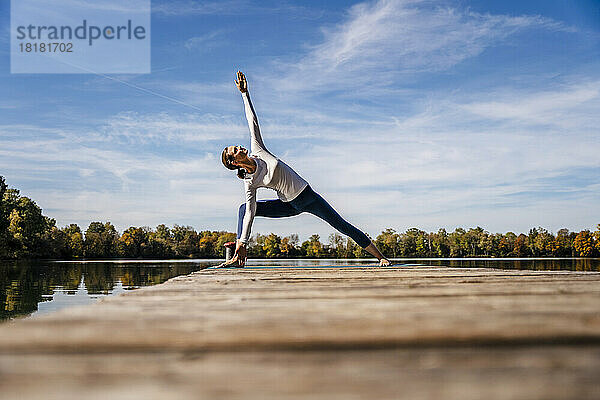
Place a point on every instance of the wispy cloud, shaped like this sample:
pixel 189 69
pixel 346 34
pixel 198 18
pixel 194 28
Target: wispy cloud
pixel 129 7
pixel 206 41
pixel 384 40
pixel 161 128
pixel 569 107
pixel 179 8
pixel 191 7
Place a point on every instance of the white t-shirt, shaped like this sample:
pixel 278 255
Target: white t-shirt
pixel 270 172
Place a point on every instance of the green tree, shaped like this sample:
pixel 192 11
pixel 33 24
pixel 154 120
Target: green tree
pixel 563 243
pixel 74 240
pixel 4 222
pixel 337 245
pixel 4 211
pixel 533 233
pixel 412 243
pixel 160 242
pixel 186 242
pixel 313 247
pixel 473 239
pixel 271 245
pixel 388 242
pixel 440 243
pixel 543 242
pixel 487 244
pixel 101 240
pixel 256 246
pixel 458 245
pixel 26 226
pixel 54 244
pixel 506 244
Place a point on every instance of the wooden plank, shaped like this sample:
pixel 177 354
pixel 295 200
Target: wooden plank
pixel 348 332
pixel 526 373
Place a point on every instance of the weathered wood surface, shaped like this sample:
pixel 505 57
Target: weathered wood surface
pixel 349 333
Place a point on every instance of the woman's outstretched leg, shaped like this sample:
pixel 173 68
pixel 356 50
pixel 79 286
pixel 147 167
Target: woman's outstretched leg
pixel 323 210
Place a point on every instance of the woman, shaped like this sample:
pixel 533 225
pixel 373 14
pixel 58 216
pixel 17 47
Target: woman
pixel 263 169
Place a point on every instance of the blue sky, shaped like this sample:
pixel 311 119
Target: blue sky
pixel 402 114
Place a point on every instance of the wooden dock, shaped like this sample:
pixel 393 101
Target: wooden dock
pixel 412 332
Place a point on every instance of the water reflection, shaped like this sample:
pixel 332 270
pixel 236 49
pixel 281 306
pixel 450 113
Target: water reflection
pixel 28 288
pixel 536 264
pixel 25 286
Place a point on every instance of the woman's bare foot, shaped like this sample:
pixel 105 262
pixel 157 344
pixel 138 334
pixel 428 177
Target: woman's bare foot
pixel 384 262
pixel 374 251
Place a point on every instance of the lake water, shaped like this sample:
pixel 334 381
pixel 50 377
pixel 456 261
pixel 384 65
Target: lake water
pixel 34 288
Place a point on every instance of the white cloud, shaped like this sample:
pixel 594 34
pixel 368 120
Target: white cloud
pixel 384 40
pixel 191 7
pixel 129 7
pixel 179 8
pixel 566 107
pixel 204 42
pixel 161 128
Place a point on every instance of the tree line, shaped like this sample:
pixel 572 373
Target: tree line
pixel 26 233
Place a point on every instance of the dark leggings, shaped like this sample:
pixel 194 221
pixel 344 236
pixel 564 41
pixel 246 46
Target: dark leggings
pixel 307 201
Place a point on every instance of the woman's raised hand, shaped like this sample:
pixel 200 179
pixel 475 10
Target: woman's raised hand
pixel 241 82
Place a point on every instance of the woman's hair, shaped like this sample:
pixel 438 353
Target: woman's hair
pixel 228 163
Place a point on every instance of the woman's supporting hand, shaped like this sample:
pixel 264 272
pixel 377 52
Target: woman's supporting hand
pixel 240 253
pixel 241 82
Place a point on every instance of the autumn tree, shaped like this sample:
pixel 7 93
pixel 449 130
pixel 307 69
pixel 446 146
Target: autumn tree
pixel 209 244
pixel 520 248
pixel 271 245
pixel 543 243
pixel 289 245
pixel 133 242
pixel 562 245
pixel 584 244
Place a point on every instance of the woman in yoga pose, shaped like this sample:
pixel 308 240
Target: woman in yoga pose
pixel 263 169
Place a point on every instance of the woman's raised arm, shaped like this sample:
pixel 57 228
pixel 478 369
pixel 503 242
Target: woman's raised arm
pixel 256 142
